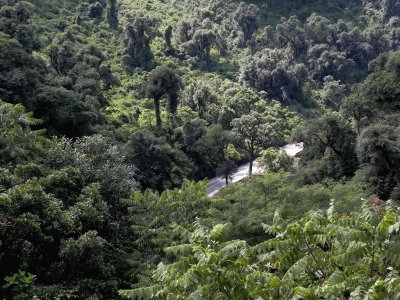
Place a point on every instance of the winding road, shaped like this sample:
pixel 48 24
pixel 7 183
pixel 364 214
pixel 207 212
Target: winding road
pixel 218 183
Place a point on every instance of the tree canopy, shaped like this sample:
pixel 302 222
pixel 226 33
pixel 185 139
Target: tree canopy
pixel 126 132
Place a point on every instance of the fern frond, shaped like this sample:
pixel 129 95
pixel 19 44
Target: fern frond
pixel 143 293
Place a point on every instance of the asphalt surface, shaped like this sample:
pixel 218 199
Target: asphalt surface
pixel 218 183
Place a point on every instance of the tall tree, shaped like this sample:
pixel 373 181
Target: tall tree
pixel 289 34
pixel 246 18
pixel 168 38
pixel 196 39
pixel 160 166
pixel 214 142
pixel 139 33
pixel 192 131
pixel 254 132
pixel 275 71
pixel 71 105
pixel 213 145
pixel 112 14
pixel 199 97
pixel 378 149
pixel 331 139
pixel 163 82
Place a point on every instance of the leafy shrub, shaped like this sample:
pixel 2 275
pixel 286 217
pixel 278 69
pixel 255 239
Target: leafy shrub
pixel 324 255
pixel 275 160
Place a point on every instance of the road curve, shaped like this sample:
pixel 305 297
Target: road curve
pixel 217 183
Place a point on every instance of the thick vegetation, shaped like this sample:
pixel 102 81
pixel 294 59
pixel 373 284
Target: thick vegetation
pixel 113 114
pixel 321 256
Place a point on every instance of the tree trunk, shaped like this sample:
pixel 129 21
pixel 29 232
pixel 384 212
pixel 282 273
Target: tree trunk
pixel 251 159
pixel 251 166
pixel 227 179
pixel 157 111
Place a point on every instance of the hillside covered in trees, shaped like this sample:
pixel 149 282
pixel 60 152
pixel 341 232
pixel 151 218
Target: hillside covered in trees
pixel 115 113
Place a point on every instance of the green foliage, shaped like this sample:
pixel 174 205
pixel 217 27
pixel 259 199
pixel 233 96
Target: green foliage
pixel 19 281
pixel 46 227
pixel 151 215
pixel 163 82
pixel 248 205
pixel 160 166
pixel 196 40
pixel 138 36
pixel 98 161
pixel 16 22
pixel 74 108
pixel 274 160
pixel 331 94
pixel 274 71
pixel 377 147
pixel 21 72
pixel 228 80
pixel 18 142
pixel 246 16
pixel 321 256
pixel 331 140
pixel 377 124
pixel 254 132
pixel 214 147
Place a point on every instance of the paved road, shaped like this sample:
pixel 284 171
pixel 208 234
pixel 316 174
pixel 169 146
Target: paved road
pixel 217 183
pixel 293 149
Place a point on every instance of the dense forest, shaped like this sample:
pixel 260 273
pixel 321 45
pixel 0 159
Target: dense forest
pixel 114 114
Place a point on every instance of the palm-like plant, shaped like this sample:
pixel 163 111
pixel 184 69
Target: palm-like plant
pixel 18 141
pixel 323 255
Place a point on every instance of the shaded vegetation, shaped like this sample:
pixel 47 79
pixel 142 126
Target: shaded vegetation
pixel 114 113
